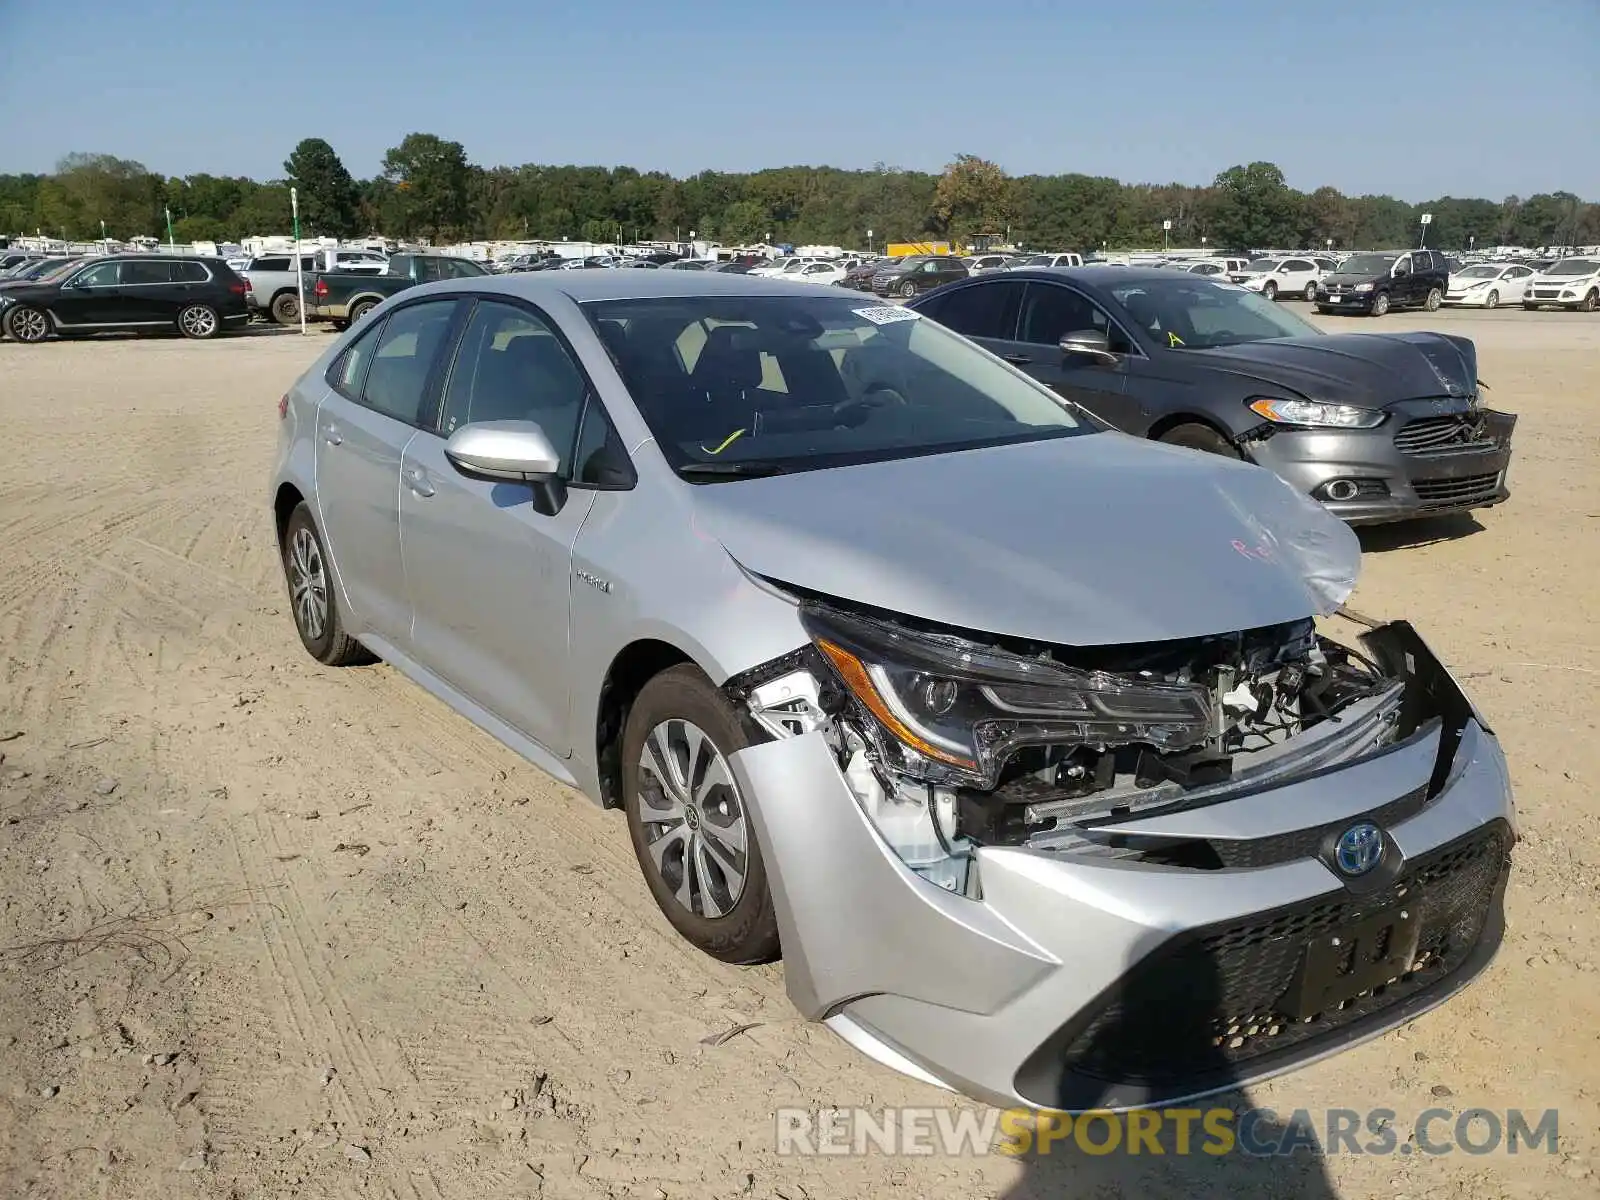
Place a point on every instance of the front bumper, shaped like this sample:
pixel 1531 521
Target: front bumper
pixel 1425 478
pixel 1356 302
pixel 1082 983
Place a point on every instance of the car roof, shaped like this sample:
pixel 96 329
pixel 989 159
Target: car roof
pixel 584 286
pixel 1100 274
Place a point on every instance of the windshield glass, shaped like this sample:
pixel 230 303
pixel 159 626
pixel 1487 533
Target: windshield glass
pixel 1040 260
pixel 765 384
pixel 1197 314
pixel 58 268
pixel 1573 266
pixel 1368 264
pixel 1262 265
pixel 1480 272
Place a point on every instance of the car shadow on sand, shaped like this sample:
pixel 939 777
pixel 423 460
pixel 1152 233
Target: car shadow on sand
pixel 1156 1026
pixel 1425 531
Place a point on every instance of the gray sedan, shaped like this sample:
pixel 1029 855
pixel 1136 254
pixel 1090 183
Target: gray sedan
pixel 1014 734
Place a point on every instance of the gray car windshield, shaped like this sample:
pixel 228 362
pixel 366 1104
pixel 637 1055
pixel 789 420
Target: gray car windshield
pixel 1368 264
pixel 1198 314
pixel 741 385
pixel 1573 266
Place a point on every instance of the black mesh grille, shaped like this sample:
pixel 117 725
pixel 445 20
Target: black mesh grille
pixel 1465 489
pixel 1216 1000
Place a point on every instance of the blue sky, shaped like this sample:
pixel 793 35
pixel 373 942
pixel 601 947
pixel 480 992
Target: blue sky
pixel 1416 98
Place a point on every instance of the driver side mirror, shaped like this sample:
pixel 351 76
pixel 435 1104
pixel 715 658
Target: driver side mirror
pixel 1088 343
pixel 504 450
pixel 510 452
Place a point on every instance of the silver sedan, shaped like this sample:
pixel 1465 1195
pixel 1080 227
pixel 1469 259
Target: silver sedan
pixel 1015 735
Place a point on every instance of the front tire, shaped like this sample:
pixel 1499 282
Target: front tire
pixel 1269 289
pixel 1196 436
pixel 28 324
pixel 907 290
pixel 1380 304
pixel 1434 300
pixel 1492 300
pixel 1311 293
pixel 199 322
pixel 1591 301
pixel 312 595
pixel 690 826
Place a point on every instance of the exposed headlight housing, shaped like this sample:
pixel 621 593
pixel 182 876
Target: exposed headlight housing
pixel 950 710
pixel 1309 412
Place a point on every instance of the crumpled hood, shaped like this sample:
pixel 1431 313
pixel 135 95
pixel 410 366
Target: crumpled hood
pixel 1103 539
pixel 1372 370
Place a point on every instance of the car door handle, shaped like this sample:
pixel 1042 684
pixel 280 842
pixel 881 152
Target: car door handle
pixel 332 436
pixel 1020 360
pixel 417 480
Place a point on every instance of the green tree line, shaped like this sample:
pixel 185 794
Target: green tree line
pixel 428 188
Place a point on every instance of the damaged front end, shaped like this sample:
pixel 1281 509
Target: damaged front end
pixel 950 743
pixel 1118 876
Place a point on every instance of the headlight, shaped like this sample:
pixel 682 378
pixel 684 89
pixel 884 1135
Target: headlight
pixel 946 709
pixel 1308 412
pixel 1362 287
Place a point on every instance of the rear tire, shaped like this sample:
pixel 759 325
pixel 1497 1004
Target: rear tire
pixel 312 595
pixel 682 711
pixel 199 322
pixel 1434 300
pixel 286 308
pixel 1380 304
pixel 28 324
pixel 361 309
pixel 1196 436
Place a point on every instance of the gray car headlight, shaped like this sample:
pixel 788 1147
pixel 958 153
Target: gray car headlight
pixel 1309 412
pixel 1362 287
pixel 947 709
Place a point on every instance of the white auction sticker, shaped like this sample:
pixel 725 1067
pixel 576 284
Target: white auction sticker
pixel 887 314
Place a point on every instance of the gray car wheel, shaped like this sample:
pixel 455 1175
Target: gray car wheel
pixel 1269 289
pixel 1492 300
pixel 1380 304
pixel 908 289
pixel 1591 301
pixel 1435 299
pixel 1196 436
pixel 361 309
pixel 199 321
pixel 286 309
pixel 27 324
pixel 1311 293
pixel 690 823
pixel 312 597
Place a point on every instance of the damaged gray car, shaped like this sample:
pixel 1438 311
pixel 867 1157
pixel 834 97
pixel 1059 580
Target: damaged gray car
pixel 1018 738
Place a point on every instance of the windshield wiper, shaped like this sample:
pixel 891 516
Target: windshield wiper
pixel 753 468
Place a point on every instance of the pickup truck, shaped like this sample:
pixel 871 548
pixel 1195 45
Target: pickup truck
pixel 344 297
pixel 273 284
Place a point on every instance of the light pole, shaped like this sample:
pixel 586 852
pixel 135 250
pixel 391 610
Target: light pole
pixel 1166 229
pixel 299 260
pixel 102 235
pixel 1203 241
pixel 869 241
pixel 1329 244
pixel 172 242
pixel 1427 219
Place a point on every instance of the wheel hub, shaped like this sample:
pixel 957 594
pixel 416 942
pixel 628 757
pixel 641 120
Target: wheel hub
pixel 692 819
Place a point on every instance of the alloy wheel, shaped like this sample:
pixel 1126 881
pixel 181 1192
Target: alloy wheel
pixel 1492 300
pixel 1435 298
pixel 197 321
pixel 29 325
pixel 308 584
pixel 693 818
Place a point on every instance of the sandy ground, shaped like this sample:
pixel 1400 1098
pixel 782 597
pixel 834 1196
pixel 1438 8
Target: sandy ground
pixel 275 930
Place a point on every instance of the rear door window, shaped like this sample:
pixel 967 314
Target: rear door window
pixel 984 310
pixel 190 272
pixel 136 274
pixel 403 360
pixel 270 264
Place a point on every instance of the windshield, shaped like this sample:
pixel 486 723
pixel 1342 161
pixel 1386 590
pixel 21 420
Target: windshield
pixel 734 385
pixel 1368 264
pixel 1040 260
pixel 1480 272
pixel 1573 266
pixel 1198 314
pixel 1262 265
pixel 58 268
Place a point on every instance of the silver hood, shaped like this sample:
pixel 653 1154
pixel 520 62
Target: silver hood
pixel 1098 540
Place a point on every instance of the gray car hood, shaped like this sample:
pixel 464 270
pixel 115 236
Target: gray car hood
pixel 1370 370
pixel 1103 539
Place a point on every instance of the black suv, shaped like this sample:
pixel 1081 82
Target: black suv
pixel 197 297
pixel 917 273
pixel 1375 283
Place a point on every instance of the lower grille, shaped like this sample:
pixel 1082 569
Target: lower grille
pixel 1465 489
pixel 1546 293
pixel 1442 435
pixel 1213 1001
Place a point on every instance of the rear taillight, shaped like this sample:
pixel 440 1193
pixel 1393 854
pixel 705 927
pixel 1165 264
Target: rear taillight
pixel 321 289
pixel 283 406
pixel 247 288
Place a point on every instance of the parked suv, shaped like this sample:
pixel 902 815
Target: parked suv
pixel 1297 276
pixel 1569 283
pixel 1375 283
pixel 198 297
pixel 918 273
pixel 1018 738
